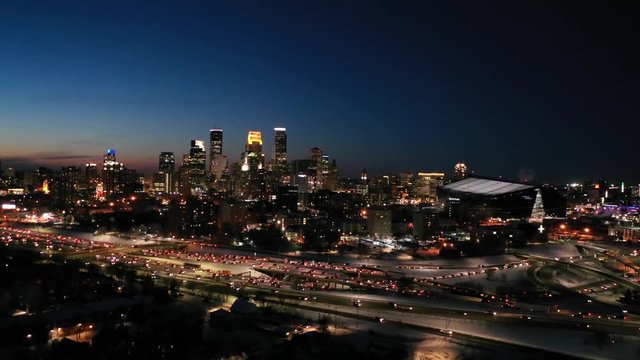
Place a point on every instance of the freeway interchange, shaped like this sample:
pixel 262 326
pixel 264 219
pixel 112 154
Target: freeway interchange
pixel 416 295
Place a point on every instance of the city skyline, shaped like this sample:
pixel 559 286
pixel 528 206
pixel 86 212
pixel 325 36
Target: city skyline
pixel 511 91
pixel 327 179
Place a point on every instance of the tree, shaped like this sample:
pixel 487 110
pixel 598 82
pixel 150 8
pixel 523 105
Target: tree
pixel 268 239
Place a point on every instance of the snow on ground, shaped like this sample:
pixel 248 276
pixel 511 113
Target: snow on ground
pixel 551 250
pixel 572 342
pixel 511 277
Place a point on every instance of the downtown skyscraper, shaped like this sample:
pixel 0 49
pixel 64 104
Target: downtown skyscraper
pixel 196 165
pixel 164 180
pixel 280 166
pixel 218 163
pixel 112 174
pixel 215 144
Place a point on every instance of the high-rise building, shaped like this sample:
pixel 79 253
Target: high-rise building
pixel 427 184
pixel 109 156
pixel 363 187
pixel 65 187
pixel 88 182
pixel 215 147
pixel 379 222
pixel 253 158
pixel 163 180
pixel 196 164
pixel 215 138
pixel 254 142
pixel 253 180
pixel 167 162
pixel 332 181
pixel 280 151
pixel 321 162
pixel 112 174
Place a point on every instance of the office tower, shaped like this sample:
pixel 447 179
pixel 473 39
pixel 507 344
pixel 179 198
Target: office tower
pixel 253 181
pixel 91 176
pixel 167 162
pixel 305 167
pixel 89 180
pixel 219 170
pixel 321 164
pixel 215 148
pixel 112 174
pixel 460 171
pixel 379 223
pixel 332 182
pixel 196 164
pixel 184 177
pixel 218 163
pixel 215 138
pixel 109 156
pixel 163 180
pixel 426 186
pixel 65 187
pixel 254 142
pixel 363 187
pixel 253 158
pixel 280 151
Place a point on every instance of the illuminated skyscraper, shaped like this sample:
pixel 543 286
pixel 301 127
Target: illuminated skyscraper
pixel 215 138
pixel 253 176
pixel 254 142
pixel 253 158
pixel 112 174
pixel 196 164
pixel 280 151
pixel 109 156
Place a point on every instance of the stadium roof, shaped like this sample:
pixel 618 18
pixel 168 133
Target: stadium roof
pixel 485 186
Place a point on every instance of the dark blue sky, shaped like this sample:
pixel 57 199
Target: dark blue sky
pixel 547 89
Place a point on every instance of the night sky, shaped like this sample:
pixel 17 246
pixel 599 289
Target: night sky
pixel 517 89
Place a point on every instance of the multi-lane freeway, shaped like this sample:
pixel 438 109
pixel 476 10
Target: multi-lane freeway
pixel 372 291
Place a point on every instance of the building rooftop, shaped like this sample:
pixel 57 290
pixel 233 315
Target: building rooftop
pixel 485 186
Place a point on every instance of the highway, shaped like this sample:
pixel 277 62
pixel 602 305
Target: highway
pixel 328 287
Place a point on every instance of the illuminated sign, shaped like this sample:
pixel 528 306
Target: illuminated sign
pixel 111 152
pixel 8 206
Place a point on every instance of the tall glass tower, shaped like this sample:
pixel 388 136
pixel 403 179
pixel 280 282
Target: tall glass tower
pixel 280 150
